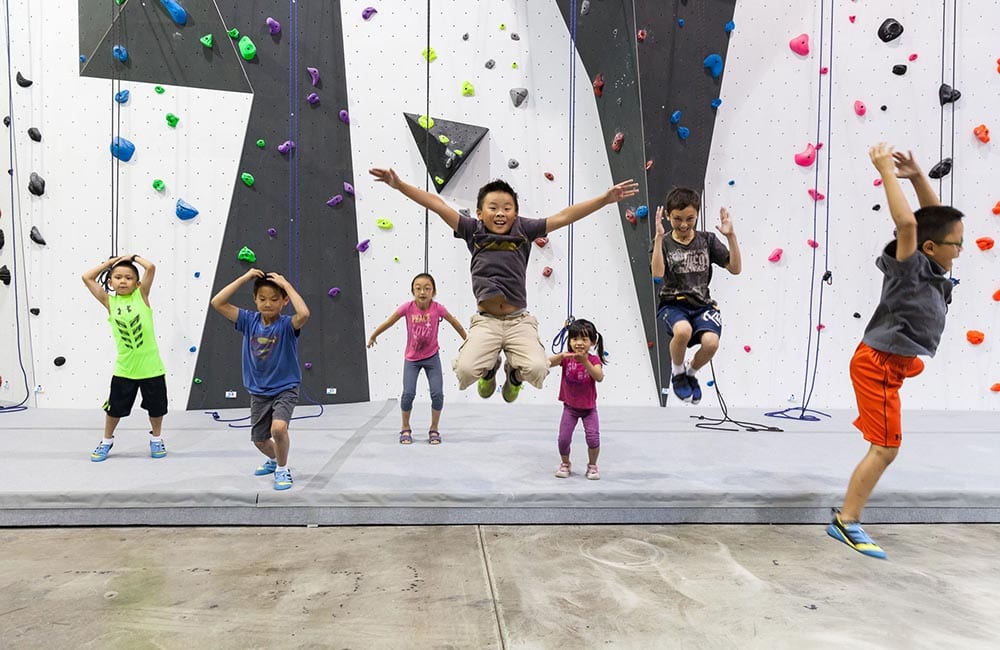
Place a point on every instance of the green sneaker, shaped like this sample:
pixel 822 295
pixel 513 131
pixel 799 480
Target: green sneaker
pixel 487 384
pixel 510 389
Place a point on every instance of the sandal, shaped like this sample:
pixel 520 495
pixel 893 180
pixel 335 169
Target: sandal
pixel 434 437
pixel 406 437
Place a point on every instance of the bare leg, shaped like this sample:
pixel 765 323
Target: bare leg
pixel 279 434
pixel 679 342
pixel 155 424
pixel 709 346
pixel 406 420
pixel 110 424
pixel 592 454
pixel 863 480
pixel 266 447
pixel 435 419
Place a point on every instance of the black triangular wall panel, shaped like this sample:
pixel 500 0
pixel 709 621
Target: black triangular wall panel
pixel 444 146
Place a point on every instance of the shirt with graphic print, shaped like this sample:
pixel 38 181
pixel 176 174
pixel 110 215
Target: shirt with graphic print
pixel 270 354
pixel 421 329
pixel 577 388
pixel 132 326
pixel 499 262
pixel 688 268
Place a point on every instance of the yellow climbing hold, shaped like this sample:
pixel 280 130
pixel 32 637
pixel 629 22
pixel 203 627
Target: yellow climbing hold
pixel 384 224
pixel 443 139
pixel 426 121
pixel 458 152
pixel 439 180
pixel 429 54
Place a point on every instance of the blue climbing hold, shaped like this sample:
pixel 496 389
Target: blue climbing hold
pixel 675 117
pixel 683 132
pixel 710 383
pixel 122 149
pixel 717 102
pixel 642 211
pixel 193 348
pixel 121 96
pixel 83 58
pixel 732 182
pixel 680 22
pixel 197 274
pixel 120 53
pixel 730 26
pixel 176 11
pixel 714 64
pixel 185 210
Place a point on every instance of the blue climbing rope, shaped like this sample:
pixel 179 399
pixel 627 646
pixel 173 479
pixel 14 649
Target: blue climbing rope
pixel 293 135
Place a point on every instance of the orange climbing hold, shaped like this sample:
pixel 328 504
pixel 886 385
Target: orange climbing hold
pixel 996 295
pixel 996 208
pixel 599 84
pixel 995 388
pixel 982 133
pixel 975 337
pixel 985 243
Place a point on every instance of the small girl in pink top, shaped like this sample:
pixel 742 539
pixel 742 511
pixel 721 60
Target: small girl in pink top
pixel 578 392
pixel 423 316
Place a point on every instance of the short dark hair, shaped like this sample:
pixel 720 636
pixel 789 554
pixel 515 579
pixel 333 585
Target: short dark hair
pixel 265 281
pixel 681 197
pixel 495 186
pixel 424 275
pixel 583 327
pixel 934 222
pixel 127 264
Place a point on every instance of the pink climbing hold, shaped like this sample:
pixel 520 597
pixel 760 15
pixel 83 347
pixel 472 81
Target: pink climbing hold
pixel 860 108
pixel 816 196
pixel 913 57
pixel 824 70
pixel 800 44
pixel 286 146
pixel 812 243
pixel 852 18
pixel 820 327
pixel 806 157
pixel 547 271
pixel 314 75
pixel 775 255
pixel 336 200
pixel 348 188
pixel 877 182
pixel 746 348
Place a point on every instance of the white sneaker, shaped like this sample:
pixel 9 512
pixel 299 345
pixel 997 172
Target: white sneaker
pixel 592 473
pixel 563 471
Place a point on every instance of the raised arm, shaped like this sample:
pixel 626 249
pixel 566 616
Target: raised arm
pixel 386 324
pixel 725 228
pixel 220 301
pixel 301 314
pixel 657 265
pixel 907 167
pixel 148 274
pixel 432 202
pixel 578 211
pixel 455 324
pixel 90 279
pixel 902 215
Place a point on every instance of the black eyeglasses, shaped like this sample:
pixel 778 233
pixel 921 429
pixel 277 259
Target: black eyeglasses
pixel 950 243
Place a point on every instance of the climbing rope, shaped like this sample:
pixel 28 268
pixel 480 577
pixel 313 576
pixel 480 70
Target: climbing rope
pixel 427 142
pixel 293 136
pixel 951 105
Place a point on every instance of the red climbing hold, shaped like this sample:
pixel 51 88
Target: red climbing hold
pixel 630 216
pixel 877 182
pixel 913 57
pixel 599 84
pixel 746 348
pixel 995 388
pixel 985 243
pixel 547 271
pixel 996 208
pixel 852 18
pixel 996 295
pixel 975 337
pixel 550 176
pixel 812 243
pixel 541 242
pixel 775 255
pixel 640 35
pixel 806 157
pixel 616 144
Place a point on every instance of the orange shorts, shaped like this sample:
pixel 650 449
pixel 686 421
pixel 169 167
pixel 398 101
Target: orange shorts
pixel 877 377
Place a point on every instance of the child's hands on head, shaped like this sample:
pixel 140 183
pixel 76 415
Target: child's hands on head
pixel 254 273
pixel 387 176
pixel 881 156
pixel 276 278
pixel 906 166
pixel 622 191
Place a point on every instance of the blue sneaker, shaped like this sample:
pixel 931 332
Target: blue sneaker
pixel 695 389
pixel 282 479
pixel 157 449
pixel 267 468
pixel 854 536
pixel 682 386
pixel 101 453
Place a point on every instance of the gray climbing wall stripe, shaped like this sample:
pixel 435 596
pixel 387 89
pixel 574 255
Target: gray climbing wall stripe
pixel 326 473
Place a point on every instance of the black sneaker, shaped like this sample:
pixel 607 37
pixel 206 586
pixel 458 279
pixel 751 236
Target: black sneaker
pixel 695 389
pixel 682 386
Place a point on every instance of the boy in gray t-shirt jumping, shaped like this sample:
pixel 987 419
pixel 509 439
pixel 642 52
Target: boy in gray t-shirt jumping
pixel 500 242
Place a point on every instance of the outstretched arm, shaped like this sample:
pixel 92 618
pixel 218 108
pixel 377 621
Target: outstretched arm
pixel 90 279
pixel 148 273
pixel 389 322
pixel 301 314
pixel 556 359
pixel 578 211
pixel 220 301
pixel 455 324
pixel 725 228
pixel 907 167
pixel 430 201
pixel 902 215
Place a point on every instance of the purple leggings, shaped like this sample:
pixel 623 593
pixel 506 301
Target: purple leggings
pixel 591 426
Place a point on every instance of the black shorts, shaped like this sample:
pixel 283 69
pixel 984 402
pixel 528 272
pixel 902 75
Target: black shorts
pixel 123 391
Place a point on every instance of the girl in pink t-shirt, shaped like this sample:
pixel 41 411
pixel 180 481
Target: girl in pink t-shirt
pixel 423 316
pixel 578 392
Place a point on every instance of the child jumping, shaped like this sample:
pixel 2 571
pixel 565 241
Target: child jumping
pixel 271 371
pixel 500 242
pixel 423 316
pixel 907 322
pixel 684 262
pixel 138 366
pixel 578 392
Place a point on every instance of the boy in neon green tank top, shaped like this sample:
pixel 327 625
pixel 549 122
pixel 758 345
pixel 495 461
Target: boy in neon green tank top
pixel 138 366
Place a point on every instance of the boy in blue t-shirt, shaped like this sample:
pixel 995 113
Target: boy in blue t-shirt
pixel 271 370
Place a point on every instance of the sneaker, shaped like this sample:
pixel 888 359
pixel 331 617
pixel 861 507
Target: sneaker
pixel 267 468
pixel 487 384
pixel 157 449
pixel 592 473
pixel 854 536
pixel 510 390
pixel 563 471
pixel 695 389
pixel 282 479
pixel 682 386
pixel 101 453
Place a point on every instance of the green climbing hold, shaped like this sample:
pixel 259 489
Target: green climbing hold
pixel 468 90
pixel 261 144
pixel 443 139
pixel 159 90
pixel 426 121
pixel 395 259
pixel 159 185
pixel 514 65
pixel 247 255
pixel 384 224
pixel 503 27
pixel 172 120
pixel 247 49
pixel 207 40
pixel 458 152
pixel 429 54
pixel 247 179
pixel 234 33
pixel 197 380
pixel 439 180
pixel 119 2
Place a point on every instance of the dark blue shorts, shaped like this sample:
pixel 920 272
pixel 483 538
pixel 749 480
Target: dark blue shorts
pixel 702 319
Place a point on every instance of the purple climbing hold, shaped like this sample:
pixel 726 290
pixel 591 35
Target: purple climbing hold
pixel 334 292
pixel 336 200
pixel 363 246
pixel 271 232
pixel 313 98
pixel 348 188
pixel 273 26
pixel 368 12
pixel 314 75
pixel 344 117
pixel 286 146
pixel 307 365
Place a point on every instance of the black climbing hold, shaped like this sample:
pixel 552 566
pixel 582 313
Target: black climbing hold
pixel 1 240
pixel 890 30
pixel 36 184
pixel 941 169
pixel 59 361
pixel 6 120
pixel 511 164
pixel 4 274
pixel 36 236
pixel 518 95
pixel 465 36
pixel 465 212
pixel 857 315
pixel 884 107
pixel 35 134
pixel 490 64
pixel 514 36
pixel 877 207
pixel 948 95
pixel 899 69
pixel 35 311
pixel 22 82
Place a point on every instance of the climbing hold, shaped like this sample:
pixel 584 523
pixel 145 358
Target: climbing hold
pixel 981 132
pixel 22 82
pixel 121 96
pixel 439 180
pixel 800 44
pixel 541 241
pixel 640 35
pixel 271 232
pixel 816 196
pixel 234 33
pixel 429 54
pixel 468 90
pixel 852 18
pixel 313 75
pixel 876 207
pixel 503 27
pixel 176 11
pixel 512 164
pixel 185 210
pixel 246 255
pixel 384 224
pixel 899 69
pixel 368 12
pixel 261 143
pixel 83 58
pixel 729 27
pixel 490 64
pixel 995 388
pixel 172 120
pixel 683 132
pixel 941 169
pixel 585 7
pixel 5 274
pixel 547 271
pixel 675 117
pixel 518 95
pixel 159 90
pixel 122 149
pixel 812 243
pixel 312 98
pixel 514 36
pixel 207 40
pixel 985 243
pixel 36 135
pixel 36 184
pixel 35 311
pixel 975 337
pixel 286 146
pixel 859 108
pixel 857 315
pixel 550 176
pixel 824 70
pixel 307 365
pixel 889 30
pixel 806 157
pixel 775 255
pixel 443 139
pixel 746 348
pixel 996 208
pixel 717 102
pixel 714 64
pixel 363 246
pixel 273 26
pixel 1 240
pixel 619 140
pixel 348 188
pixel 59 361
pixel 877 182
pixel 948 95
pixel 345 118
pixel 913 57
pixel 247 49
pixel 120 53
pixel 732 182
pixel 642 211
pixel 193 348
pixel 197 274
pixel 649 165
pixel 247 179
pixel 36 236
pixel 197 380
pixel 335 200
pixel 159 185
pixel 599 84
pixel 680 22
pixel 883 107
pixel 465 36
pixel 630 216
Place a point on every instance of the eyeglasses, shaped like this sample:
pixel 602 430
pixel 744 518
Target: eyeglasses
pixel 950 243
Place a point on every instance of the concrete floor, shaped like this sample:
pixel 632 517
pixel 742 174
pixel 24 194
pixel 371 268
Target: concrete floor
pixel 679 586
